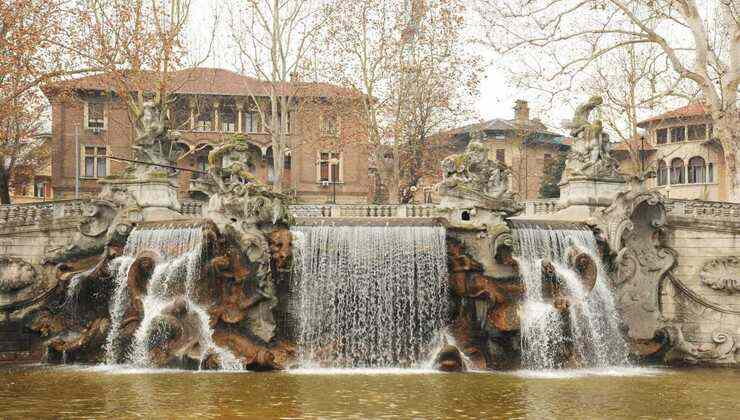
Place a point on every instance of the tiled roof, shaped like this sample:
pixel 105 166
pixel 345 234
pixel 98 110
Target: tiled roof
pixel 623 146
pixel 208 81
pixel 498 124
pixel 693 109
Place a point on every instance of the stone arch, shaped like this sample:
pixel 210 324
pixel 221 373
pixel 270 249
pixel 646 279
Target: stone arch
pixel 662 174
pixel 697 170
pixel 678 171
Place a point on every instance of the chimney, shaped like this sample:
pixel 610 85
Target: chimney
pixel 521 111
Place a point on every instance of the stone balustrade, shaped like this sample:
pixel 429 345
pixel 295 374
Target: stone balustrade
pixel 540 207
pixel 353 211
pixel 27 214
pixel 703 210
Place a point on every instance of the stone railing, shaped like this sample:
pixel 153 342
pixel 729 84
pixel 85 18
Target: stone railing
pixel 540 207
pixel 703 210
pixel 353 211
pixel 27 214
pixel 192 208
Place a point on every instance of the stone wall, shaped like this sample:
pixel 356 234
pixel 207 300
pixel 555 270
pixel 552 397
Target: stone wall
pixel 702 293
pixel 30 231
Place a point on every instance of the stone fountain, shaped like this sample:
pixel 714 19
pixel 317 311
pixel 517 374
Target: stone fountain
pixel 475 284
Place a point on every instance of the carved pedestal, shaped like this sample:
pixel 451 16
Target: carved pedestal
pixel 586 193
pixel 155 198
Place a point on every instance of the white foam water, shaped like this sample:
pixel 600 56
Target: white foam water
pixel 180 252
pixel 369 296
pixel 593 326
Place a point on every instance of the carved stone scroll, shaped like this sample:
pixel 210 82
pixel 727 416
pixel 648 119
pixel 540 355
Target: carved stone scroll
pixel 722 274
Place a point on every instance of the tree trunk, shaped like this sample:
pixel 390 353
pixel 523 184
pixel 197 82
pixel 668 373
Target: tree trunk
pixel 729 138
pixel 4 187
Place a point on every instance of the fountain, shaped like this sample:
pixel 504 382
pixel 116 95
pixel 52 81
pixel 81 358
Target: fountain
pixel 245 287
pixel 369 296
pixel 568 314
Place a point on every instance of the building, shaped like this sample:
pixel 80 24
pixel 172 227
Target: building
pixel 524 144
pixel 31 181
pixel 679 147
pixel 327 160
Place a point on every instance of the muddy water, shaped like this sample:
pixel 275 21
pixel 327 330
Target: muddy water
pixel 32 392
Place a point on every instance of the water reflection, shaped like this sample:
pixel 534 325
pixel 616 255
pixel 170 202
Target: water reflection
pixel 74 392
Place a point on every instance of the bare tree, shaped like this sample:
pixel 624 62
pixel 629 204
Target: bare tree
pixel 556 44
pixel 138 45
pixel 32 36
pixel 273 38
pixel 417 72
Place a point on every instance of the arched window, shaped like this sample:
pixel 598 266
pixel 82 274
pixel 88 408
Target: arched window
pixel 677 172
pixel 697 170
pixel 662 172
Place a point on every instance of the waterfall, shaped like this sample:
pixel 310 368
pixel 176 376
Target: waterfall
pixel 369 296
pixel 592 326
pixel 180 254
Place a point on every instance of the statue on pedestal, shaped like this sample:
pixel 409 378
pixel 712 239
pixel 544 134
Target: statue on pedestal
pixel 589 156
pixel 154 143
pixel 471 179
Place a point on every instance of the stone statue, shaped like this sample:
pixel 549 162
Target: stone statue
pixel 243 207
pixel 154 143
pixel 472 175
pixel 589 156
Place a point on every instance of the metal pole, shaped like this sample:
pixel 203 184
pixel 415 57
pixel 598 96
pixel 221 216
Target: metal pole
pixel 77 160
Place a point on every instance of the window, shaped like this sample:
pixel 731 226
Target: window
pixel 251 122
pixel 202 163
pixel 678 134
pixel 710 172
pixel 329 124
pixel 203 124
pixel 677 172
pixel 287 162
pixel 95 163
pixel 696 173
pixel 329 167
pixel 500 136
pixel 661 136
pixel 501 155
pixel 39 188
pixel 228 120
pixel 662 173
pixel 696 132
pixel 95 115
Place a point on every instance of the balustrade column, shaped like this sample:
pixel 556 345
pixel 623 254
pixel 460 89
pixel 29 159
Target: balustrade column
pixel 216 119
pixel 239 109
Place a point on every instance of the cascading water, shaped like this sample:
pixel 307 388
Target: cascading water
pixel 369 296
pixel 180 252
pixel 592 327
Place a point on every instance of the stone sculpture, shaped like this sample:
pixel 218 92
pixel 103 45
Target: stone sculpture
pixel 240 205
pixel 154 143
pixel 589 156
pixel 472 175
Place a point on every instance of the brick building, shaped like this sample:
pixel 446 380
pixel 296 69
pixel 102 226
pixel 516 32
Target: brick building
pixel 522 143
pixel 679 147
pixel 31 181
pixel 327 159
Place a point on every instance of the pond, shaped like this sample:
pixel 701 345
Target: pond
pixel 40 391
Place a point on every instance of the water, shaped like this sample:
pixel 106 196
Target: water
pixel 178 253
pixel 592 328
pixel 369 296
pixel 98 392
